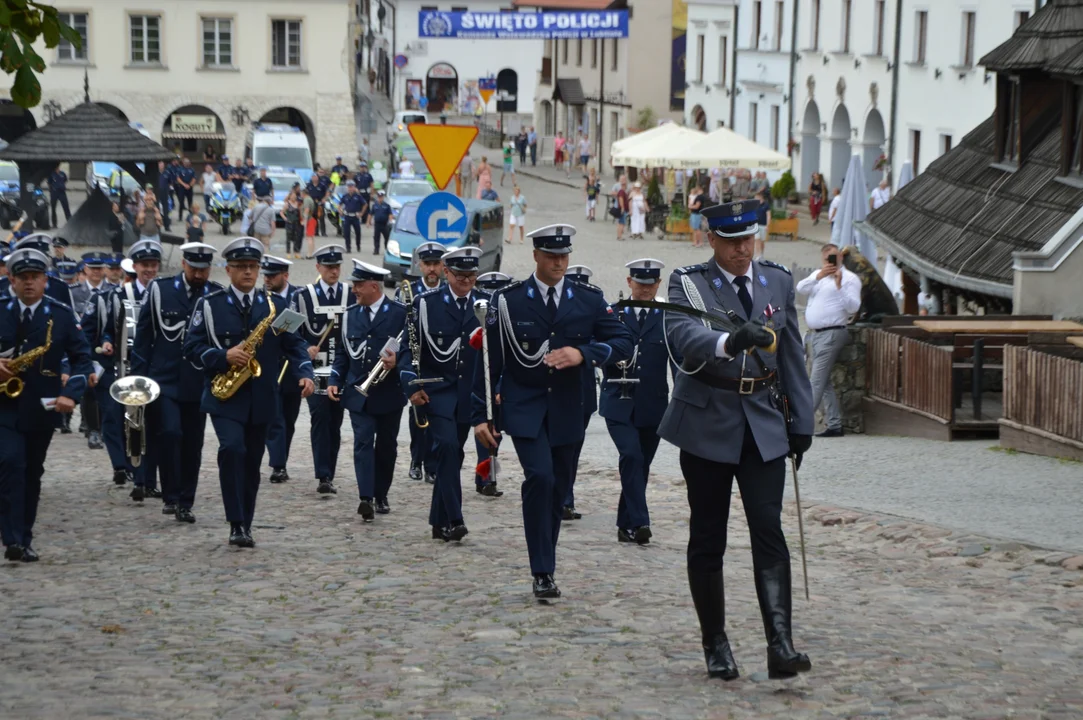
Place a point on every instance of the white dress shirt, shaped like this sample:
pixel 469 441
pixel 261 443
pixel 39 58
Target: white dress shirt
pixel 830 305
pixel 545 290
pixel 241 295
pixel 375 308
pixel 327 289
pixel 833 208
pixel 33 308
pixel 880 196
pixel 719 348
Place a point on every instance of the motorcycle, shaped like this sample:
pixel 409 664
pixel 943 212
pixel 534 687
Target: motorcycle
pixel 226 206
pixel 11 211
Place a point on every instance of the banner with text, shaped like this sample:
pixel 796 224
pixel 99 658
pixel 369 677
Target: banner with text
pixel 523 25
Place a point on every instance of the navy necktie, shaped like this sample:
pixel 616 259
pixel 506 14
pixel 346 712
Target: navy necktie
pixel 551 302
pixel 28 317
pixel 331 295
pixel 743 295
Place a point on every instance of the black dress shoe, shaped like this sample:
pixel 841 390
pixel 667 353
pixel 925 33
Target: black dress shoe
pixel 626 535
pixel 454 533
pixel 720 662
pixel 570 513
pixel 489 490
pixel 138 493
pixel 545 587
pixel 365 510
pixel 185 515
pixel 236 535
pixel 326 487
pixel 279 475
pixel 29 555
pixel 152 492
pixel 120 476
pixel 382 507
pixel 14 553
pixel 437 533
pixel 415 472
pixel 169 508
pixel 430 478
pixel 830 433
pixel 94 440
pixel 643 535
pixel 249 542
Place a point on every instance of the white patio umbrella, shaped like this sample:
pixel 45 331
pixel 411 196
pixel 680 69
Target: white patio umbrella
pixel 854 208
pixel 656 151
pixel 642 137
pixel 892 273
pixel 725 148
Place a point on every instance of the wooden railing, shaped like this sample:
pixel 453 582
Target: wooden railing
pixel 882 365
pixel 926 378
pixel 1043 391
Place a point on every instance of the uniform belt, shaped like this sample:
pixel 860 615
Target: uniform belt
pixel 351 214
pixel 743 386
pixel 832 327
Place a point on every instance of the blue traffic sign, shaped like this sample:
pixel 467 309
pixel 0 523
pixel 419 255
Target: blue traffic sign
pixel 441 217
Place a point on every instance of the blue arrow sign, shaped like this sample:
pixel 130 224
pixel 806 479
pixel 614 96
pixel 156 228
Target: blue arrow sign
pixel 441 217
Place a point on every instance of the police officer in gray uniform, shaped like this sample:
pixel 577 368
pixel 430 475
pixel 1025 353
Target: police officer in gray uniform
pixel 741 403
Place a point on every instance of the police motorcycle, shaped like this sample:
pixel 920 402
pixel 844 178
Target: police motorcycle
pixel 227 205
pixel 11 211
pixel 332 209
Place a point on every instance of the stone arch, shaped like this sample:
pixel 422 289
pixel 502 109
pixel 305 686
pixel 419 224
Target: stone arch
pixel 507 81
pixel 295 118
pixel 872 146
pixel 841 147
pixel 810 142
pixel 548 119
pixel 699 118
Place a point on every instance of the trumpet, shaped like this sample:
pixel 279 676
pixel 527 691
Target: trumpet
pixel 379 372
pixel 135 392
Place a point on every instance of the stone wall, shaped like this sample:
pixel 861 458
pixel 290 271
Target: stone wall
pixel 848 379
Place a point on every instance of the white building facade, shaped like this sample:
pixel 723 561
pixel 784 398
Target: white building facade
pixel 446 71
pixel 199 72
pixel 710 64
pixel 764 44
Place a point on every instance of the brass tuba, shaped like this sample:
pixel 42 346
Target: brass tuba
pixel 13 388
pixel 135 392
pixel 225 385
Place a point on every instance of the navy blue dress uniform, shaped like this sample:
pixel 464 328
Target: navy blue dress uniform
pixel 82 292
pixel 632 411
pixel 280 433
pixel 58 193
pixel 175 423
pixel 582 274
pixel 221 321
pixel 542 407
pixel 187 175
pixel 443 326
pixel 381 221
pixel 352 207
pixel 363 178
pixel 320 304
pixel 26 426
pixel 728 417
pixel 363 334
pixel 421 457
pixel 55 288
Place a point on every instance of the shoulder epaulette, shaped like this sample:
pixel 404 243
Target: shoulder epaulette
pixel 56 303
pixel 588 286
pixel 689 269
pixel 430 291
pixel 400 303
pixel 510 286
pixel 777 266
pixel 485 294
pixel 211 294
pixel 215 286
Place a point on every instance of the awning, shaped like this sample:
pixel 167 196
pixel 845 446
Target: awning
pixel 569 91
pixel 170 135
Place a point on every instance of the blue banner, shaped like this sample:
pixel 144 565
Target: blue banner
pixel 570 24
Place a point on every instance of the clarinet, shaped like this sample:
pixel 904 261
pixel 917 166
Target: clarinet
pixel 421 417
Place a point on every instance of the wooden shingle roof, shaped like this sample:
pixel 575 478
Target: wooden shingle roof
pixel 1054 30
pixel 962 219
pixel 86 133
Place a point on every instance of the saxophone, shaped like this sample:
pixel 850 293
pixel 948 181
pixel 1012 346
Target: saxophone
pixel 225 385
pixel 13 388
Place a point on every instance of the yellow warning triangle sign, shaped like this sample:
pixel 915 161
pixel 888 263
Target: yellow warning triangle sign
pixel 442 147
pixel 485 95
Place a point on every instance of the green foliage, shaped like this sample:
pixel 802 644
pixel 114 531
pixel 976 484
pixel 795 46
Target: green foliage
pixel 645 118
pixel 783 186
pixel 654 192
pixel 22 22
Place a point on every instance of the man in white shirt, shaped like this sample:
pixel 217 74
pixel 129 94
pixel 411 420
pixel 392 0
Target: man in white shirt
pixel 834 295
pixel 406 168
pixel 880 196
pixel 833 209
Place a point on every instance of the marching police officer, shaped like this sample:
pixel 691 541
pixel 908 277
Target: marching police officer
pixel 582 274
pixel 364 337
pixel 113 273
pixel 728 416
pixel 58 193
pixel 276 279
pixel 217 341
pixel 352 206
pixel 445 320
pixel 55 288
pixel 634 397
pixel 31 322
pixel 174 422
pixel 427 257
pixel 323 304
pixel 380 219
pixel 540 331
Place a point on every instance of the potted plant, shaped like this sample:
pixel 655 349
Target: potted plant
pixel 783 188
pixel 781 220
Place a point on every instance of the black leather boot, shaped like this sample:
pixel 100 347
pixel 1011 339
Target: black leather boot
pixel 709 596
pixel 774 593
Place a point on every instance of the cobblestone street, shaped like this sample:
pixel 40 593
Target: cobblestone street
pixel 931 595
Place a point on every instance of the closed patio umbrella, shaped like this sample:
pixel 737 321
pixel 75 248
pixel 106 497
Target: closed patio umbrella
pixel 854 208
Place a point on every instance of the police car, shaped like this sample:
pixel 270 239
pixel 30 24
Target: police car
pixel 402 190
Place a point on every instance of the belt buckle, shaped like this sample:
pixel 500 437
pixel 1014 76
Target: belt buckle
pixel 746 386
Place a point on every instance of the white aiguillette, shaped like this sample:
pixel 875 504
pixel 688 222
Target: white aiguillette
pixel 288 321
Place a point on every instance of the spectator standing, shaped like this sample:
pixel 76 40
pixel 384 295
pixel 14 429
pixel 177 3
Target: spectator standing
pixel 834 295
pixel 833 209
pixel 584 151
pixel 116 229
pixel 742 185
pixel 695 220
pixel 58 193
pixel 516 215
pixel 466 177
pixel 148 221
pixel 816 197
pixel 880 196
pixel 483 175
pixel 196 221
pixel 291 218
pixel 487 192
pixel 622 206
pixel 759 183
pixel 165 183
pixel 593 189
pixel 246 219
pixel 207 181
pixel 509 163
pixel 263 220
pixel 262 187
pixel 639 209
pixel 363 153
pixel 520 144
pixel 558 149
pixel 209 155
pixel 532 141
pixel 308 217
pixel 406 167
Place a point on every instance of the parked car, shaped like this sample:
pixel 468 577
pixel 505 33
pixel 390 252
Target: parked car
pixel 402 190
pixel 484 228
pixel 401 120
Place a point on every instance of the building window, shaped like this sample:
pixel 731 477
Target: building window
pixel 217 42
pixel 1009 111
pixel 814 41
pixel 847 7
pixel 757 18
pixel 65 51
pixel 723 56
pixel 594 53
pixel 753 120
pixel 921 27
pixel 579 52
pixel 780 10
pixel 146 39
pixel 969 22
pixel 945 144
pixel 613 59
pixel 564 51
pixel 775 127
pixel 286 43
pixel 878 19
pixel 1021 16
pixel 915 150
pixel 700 40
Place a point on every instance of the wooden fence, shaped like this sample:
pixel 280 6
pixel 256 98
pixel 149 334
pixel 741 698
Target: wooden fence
pixel 882 365
pixel 1044 391
pixel 926 378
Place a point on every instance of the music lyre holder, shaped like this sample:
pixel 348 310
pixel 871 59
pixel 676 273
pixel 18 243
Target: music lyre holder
pixel 625 382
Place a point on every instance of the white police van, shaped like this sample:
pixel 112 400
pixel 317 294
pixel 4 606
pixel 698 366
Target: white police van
pixel 279 145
